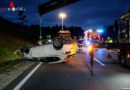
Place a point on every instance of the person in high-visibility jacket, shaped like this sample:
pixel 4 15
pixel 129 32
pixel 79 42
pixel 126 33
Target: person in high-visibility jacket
pixel 109 40
pixel 80 43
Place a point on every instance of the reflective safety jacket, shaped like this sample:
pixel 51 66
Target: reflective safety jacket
pixel 109 41
pixel 80 42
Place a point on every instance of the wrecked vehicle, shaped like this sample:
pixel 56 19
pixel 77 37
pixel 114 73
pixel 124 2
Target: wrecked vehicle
pixel 62 47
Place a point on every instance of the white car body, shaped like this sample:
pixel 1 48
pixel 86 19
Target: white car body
pixel 49 51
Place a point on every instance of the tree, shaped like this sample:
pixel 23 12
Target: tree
pixel 110 32
pixel 116 26
pixel 22 17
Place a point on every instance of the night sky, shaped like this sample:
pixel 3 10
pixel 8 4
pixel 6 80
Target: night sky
pixel 85 13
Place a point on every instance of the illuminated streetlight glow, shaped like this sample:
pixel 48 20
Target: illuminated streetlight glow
pixel 62 16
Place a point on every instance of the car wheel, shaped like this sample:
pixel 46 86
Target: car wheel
pixel 57 43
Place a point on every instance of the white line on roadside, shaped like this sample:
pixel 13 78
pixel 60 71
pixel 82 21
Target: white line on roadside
pixel 99 62
pixel 27 77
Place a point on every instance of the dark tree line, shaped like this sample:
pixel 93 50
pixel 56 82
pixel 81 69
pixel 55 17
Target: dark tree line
pixel 110 32
pixel 31 33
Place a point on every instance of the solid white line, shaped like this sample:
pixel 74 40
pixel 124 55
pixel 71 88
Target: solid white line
pixel 27 77
pixel 99 62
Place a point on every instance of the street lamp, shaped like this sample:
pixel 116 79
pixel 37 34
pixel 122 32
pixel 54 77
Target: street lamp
pixel 62 16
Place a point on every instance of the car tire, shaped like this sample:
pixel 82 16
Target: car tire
pixel 58 43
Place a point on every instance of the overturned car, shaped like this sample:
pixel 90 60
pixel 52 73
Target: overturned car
pixel 61 48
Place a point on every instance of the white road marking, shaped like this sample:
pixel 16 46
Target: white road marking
pixel 27 77
pixel 99 62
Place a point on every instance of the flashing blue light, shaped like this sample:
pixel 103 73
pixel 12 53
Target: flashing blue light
pixel 87 42
pixel 100 31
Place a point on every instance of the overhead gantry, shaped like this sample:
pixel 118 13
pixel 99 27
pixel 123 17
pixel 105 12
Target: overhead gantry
pixel 53 5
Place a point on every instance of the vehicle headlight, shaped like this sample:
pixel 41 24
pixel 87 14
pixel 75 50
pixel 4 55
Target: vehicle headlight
pixel 49 40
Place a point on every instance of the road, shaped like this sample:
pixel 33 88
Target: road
pixel 75 75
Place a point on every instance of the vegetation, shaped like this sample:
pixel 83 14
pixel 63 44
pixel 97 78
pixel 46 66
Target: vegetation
pixel 8 45
pixel 110 32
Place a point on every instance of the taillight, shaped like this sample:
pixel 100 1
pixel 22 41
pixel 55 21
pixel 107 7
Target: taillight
pixel 118 50
pixel 128 55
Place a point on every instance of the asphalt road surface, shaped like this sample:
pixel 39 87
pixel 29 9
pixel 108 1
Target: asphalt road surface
pixel 75 75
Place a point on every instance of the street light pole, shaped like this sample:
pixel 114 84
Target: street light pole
pixel 62 24
pixel 62 16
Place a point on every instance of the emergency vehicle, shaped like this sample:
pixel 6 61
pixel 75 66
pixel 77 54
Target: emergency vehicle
pixel 123 44
pixel 124 40
pixel 92 36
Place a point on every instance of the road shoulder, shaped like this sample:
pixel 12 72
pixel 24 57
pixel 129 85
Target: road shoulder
pixel 10 75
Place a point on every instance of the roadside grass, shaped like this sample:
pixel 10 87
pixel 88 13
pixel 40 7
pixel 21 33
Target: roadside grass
pixel 8 44
pixel 9 64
